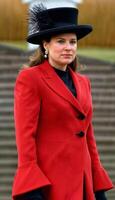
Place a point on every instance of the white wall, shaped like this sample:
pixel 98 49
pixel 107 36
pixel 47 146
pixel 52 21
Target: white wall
pixel 55 3
pixel 61 3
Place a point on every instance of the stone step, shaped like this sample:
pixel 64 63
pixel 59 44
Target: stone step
pixel 106 139
pixel 6 195
pixel 106 148
pixel 11 162
pixel 6 126
pixel 111 193
pixel 99 114
pixel 94 79
pixel 13 67
pixel 100 84
pixel 99 71
pixel 6 119
pixel 6 152
pixel 4 188
pixel 8 170
pixel 97 75
pixel 7 76
pixel 97 68
pixel 7 143
pixel 7 91
pixel 105 107
pixel 101 91
pixel 7 101
pixel 106 100
pixel 7 85
pixel 8 79
pixel 102 76
pixel 109 158
pixel 103 98
pixel 8 110
pixel 104 128
pixel 104 119
pixel 6 180
pixel 7 133
pixel 91 61
pixel 106 161
pixel 9 59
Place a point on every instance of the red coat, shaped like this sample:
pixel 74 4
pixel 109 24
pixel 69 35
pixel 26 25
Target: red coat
pixel 54 136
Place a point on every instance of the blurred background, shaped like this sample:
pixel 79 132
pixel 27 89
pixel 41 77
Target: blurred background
pixel 97 57
pixel 99 13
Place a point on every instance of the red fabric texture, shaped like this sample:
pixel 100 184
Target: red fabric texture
pixel 51 151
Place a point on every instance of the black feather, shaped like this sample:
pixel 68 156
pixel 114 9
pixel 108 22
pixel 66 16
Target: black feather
pixel 39 19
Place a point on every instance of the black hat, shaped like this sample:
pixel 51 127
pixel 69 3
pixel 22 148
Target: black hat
pixel 44 23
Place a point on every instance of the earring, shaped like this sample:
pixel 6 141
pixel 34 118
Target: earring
pixel 46 53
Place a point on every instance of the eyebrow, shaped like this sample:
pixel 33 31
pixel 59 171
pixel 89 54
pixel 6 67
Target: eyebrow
pixel 65 38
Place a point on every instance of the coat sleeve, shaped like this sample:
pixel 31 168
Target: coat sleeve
pixel 101 180
pixel 27 100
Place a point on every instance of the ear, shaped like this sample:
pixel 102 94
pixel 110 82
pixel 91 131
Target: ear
pixel 45 44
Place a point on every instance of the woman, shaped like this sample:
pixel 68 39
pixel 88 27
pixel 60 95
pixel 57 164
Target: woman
pixel 57 154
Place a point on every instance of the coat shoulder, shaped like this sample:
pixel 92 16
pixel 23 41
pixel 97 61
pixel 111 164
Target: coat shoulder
pixel 29 70
pixel 30 74
pixel 83 77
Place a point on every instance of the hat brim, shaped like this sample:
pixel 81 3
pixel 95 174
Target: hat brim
pixel 80 31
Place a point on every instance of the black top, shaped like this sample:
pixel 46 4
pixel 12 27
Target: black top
pixel 37 194
pixel 66 77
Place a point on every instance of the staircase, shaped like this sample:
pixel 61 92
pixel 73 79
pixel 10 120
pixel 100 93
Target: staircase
pixel 102 76
pixel 11 61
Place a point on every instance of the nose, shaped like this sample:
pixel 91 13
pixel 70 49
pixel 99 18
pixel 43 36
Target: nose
pixel 68 46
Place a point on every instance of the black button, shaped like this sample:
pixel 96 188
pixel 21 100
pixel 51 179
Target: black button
pixel 81 134
pixel 81 117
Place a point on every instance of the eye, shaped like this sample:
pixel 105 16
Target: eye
pixel 73 42
pixel 61 41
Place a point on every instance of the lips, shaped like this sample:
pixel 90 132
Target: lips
pixel 66 55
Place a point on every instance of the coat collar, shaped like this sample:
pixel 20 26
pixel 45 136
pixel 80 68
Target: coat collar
pixel 57 85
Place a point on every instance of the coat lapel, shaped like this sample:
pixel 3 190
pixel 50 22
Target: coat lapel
pixel 57 85
pixel 82 89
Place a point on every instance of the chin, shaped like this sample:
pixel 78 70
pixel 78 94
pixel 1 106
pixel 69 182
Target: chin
pixel 66 62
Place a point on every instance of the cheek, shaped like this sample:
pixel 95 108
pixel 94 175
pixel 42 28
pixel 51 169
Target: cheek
pixel 75 48
pixel 74 51
pixel 56 51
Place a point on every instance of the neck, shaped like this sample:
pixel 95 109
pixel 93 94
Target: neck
pixel 57 66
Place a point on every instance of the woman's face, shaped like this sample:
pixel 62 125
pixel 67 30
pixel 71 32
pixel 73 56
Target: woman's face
pixel 61 50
